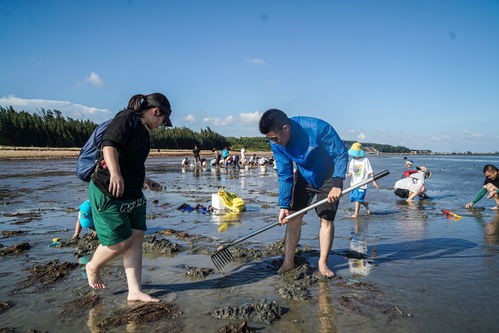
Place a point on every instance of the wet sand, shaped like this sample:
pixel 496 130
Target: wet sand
pixel 405 268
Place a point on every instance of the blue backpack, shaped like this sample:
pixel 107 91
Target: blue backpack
pixel 87 159
pixel 85 164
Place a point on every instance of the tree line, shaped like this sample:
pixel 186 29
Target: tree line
pixel 49 128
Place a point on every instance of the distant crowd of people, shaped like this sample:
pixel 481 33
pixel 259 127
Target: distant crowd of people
pixel 225 159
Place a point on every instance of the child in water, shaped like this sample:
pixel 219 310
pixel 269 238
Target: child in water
pixel 359 169
pixel 84 219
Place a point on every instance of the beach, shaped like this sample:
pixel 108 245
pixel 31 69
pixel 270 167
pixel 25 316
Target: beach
pixel 405 268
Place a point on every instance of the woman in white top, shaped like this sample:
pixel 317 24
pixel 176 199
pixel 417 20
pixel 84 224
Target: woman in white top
pixel 414 185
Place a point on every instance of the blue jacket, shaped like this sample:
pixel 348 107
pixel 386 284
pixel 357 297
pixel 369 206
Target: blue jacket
pixel 318 152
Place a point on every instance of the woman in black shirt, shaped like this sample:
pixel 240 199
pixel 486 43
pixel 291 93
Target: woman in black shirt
pixel 115 192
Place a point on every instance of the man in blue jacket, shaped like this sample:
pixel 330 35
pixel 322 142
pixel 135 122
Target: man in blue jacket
pixel 321 160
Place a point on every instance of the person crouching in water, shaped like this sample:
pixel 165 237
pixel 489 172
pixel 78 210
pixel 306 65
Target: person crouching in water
pixel 490 186
pixel 115 191
pixel 359 168
pixel 414 185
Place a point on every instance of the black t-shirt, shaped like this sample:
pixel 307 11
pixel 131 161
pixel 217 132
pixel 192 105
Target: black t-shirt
pixel 196 151
pixel 494 182
pixel 130 137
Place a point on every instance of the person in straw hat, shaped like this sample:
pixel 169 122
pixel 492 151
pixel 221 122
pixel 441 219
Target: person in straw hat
pixel 414 185
pixel 359 169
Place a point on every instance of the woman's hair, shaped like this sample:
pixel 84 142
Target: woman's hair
pixel 139 103
pixel 272 121
pixel 489 168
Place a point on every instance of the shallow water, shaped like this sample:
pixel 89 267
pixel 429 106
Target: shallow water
pixel 441 274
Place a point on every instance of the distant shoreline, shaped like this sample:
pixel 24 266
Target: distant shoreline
pixel 48 153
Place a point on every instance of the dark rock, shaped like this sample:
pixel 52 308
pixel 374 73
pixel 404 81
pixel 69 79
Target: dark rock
pixel 84 246
pixel 357 285
pixel 14 330
pixel 165 314
pixel 7 234
pixel 77 307
pixel 247 254
pixel 264 311
pixel 175 233
pixel 347 302
pixel 15 249
pixel 46 274
pixel 4 306
pixel 294 292
pixel 24 217
pixel 198 273
pixel 236 328
pixel 155 246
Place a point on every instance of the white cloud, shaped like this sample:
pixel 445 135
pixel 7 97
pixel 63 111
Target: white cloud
pixel 256 61
pixel 250 117
pixel 219 121
pixel 68 109
pixel 189 118
pixel 351 131
pixel 466 134
pixel 361 136
pixel 94 79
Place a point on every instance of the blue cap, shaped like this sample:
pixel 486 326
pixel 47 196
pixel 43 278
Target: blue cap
pixel 86 220
pixel 356 153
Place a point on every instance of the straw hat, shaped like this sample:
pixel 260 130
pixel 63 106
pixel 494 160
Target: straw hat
pixel 424 169
pixel 356 150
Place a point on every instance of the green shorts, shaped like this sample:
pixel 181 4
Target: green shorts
pixel 115 219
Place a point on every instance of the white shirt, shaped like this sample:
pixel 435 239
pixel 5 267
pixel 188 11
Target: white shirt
pixel 359 169
pixel 243 153
pixel 413 183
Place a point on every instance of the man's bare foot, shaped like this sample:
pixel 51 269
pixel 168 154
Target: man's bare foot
pixel 324 270
pixel 93 276
pixel 139 296
pixel 495 208
pixel 354 216
pixel 75 236
pixel 285 267
pixel 368 211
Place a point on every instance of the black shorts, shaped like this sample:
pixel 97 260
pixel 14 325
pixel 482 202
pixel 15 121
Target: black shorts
pixel 303 194
pixel 404 194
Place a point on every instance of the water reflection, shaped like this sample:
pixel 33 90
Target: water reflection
pixel 491 230
pixel 358 244
pixel 327 315
pixel 414 223
pixel 227 220
pixel 359 266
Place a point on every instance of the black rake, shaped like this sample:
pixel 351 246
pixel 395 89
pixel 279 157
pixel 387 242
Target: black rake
pixel 223 256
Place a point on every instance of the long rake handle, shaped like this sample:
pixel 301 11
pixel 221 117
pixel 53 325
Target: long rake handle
pixel 306 209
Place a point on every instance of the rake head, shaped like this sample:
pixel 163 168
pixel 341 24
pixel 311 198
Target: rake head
pixel 221 258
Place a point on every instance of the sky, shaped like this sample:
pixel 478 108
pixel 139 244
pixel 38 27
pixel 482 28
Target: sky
pixel 421 74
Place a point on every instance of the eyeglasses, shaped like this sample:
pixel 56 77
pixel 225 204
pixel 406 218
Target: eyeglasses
pixel 273 139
